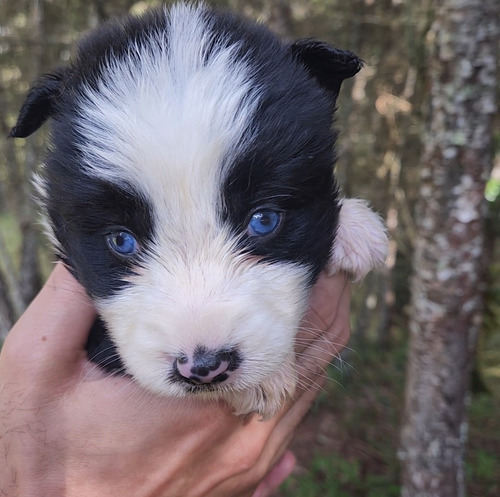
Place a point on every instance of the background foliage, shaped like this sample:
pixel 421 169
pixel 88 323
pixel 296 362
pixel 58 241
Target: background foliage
pixel 349 443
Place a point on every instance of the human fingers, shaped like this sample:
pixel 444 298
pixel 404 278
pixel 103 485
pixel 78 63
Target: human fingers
pixel 277 475
pixel 53 330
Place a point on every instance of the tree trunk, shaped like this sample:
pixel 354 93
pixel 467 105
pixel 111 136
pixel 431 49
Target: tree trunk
pixel 450 257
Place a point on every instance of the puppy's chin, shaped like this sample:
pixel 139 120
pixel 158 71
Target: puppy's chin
pixel 264 400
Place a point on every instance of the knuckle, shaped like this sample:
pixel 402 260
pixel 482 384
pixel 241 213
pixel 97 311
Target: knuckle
pixel 249 459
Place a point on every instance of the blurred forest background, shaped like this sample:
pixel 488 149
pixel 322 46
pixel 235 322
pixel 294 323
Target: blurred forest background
pixel 351 443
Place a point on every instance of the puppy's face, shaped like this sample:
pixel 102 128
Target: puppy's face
pixel 189 187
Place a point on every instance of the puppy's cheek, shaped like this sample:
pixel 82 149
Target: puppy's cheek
pixel 361 242
pixel 140 347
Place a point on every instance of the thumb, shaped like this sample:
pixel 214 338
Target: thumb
pixel 277 475
pixel 53 331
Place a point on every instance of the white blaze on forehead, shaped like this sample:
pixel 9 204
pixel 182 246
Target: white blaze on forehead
pixel 165 116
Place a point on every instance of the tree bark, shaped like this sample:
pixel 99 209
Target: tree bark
pixel 450 254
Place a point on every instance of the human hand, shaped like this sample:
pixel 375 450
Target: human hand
pixel 68 429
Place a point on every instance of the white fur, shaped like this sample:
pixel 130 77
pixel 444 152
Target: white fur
pixel 361 242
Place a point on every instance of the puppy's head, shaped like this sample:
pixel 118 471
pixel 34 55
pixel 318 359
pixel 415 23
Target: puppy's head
pixel 189 187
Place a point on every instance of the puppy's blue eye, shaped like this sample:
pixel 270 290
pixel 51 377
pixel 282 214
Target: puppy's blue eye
pixel 263 222
pixel 122 243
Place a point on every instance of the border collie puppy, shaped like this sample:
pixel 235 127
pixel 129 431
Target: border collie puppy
pixel 189 187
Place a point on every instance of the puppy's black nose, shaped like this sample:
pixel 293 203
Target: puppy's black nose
pixel 207 366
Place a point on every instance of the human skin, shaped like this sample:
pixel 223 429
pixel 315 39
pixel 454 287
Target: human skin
pixel 68 429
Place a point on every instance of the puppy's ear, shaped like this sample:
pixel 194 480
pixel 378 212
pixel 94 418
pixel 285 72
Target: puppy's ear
pixel 329 65
pixel 361 242
pixel 39 104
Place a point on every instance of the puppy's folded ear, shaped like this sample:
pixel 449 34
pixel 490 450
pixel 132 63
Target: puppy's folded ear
pixel 361 242
pixel 39 104
pixel 327 64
